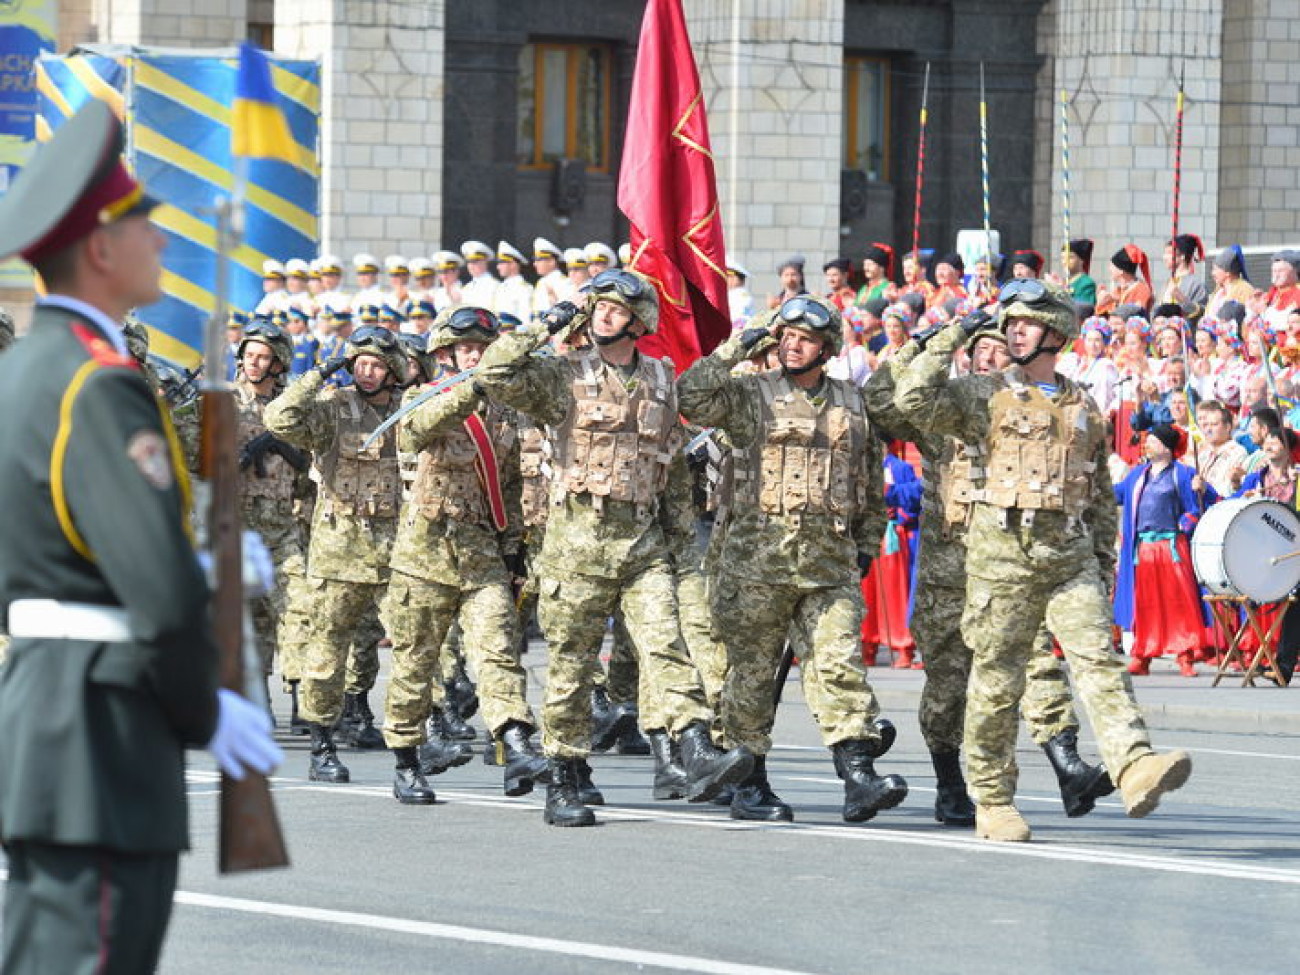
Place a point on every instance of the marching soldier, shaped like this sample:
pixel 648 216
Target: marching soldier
pixel 616 432
pixel 1040 548
pixel 113 668
pixel 807 517
pixel 947 467
pixel 353 524
pixel 457 534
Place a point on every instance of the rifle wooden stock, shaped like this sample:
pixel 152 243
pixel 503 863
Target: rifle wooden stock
pixel 250 831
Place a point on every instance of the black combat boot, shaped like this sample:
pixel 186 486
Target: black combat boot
pixel 462 696
pixel 888 733
pixel 709 770
pixel 409 786
pixel 1081 784
pixel 952 805
pixel 439 753
pixel 325 765
pixel 362 733
pixel 454 725
pixel 523 766
pixel 297 726
pixel 587 791
pixel 754 798
pixel 345 728
pixel 564 807
pixel 865 792
pixel 630 740
pixel 608 721
pixel 670 777
pixel 492 753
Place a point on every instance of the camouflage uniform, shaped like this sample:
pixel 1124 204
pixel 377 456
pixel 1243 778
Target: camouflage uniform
pixel 941 584
pixel 447 565
pixel 789 554
pixel 353 526
pixel 1040 542
pixel 614 437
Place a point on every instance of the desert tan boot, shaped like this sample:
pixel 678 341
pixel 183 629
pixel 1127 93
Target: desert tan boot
pixel 1144 781
pixel 1001 823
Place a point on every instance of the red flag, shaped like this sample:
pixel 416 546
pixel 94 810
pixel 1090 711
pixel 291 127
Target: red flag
pixel 666 188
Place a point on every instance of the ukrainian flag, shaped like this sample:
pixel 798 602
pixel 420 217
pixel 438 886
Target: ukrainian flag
pixel 257 128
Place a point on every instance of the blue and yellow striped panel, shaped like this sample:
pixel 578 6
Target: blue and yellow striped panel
pixel 177 110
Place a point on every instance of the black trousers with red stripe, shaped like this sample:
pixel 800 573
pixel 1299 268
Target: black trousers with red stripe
pixel 85 910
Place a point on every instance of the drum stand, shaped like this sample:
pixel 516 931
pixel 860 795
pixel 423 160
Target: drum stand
pixel 1239 616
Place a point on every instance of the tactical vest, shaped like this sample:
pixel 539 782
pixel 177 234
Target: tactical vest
pixel 355 481
pixel 811 460
pixel 447 484
pixel 619 437
pixel 535 473
pixel 950 486
pixel 1039 452
pixel 280 477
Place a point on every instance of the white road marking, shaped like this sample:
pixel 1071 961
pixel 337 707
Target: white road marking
pixel 1224 751
pixel 863 834
pixel 482 936
pixel 1020 796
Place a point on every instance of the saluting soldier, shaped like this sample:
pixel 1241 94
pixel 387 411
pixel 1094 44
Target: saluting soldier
pixel 806 517
pixel 1040 547
pixel 353 524
pixel 613 413
pixel 113 668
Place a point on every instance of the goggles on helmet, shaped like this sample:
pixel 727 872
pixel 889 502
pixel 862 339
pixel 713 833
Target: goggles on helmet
pixel 465 320
pixel 800 310
pixel 382 338
pixel 264 330
pixel 628 285
pixel 1028 291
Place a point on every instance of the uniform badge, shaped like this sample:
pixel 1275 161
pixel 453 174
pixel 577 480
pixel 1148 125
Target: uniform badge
pixel 148 450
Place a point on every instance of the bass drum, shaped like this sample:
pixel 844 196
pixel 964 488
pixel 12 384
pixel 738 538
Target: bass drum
pixel 1238 549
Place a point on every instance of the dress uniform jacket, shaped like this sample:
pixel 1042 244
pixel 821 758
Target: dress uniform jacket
pixel 92 735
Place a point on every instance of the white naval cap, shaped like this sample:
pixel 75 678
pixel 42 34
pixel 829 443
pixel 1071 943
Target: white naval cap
pixel 544 248
pixel 329 264
pixel 506 251
pixel 421 266
pixel 272 269
pixel 296 268
pixel 446 261
pixel 625 254
pixel 396 264
pixel 475 250
pixel 596 252
pixel 575 257
pixel 738 268
pixel 365 262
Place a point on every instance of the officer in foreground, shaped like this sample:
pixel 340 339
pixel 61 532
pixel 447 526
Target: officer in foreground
pixel 807 515
pixel 615 435
pixel 113 668
pixel 1040 547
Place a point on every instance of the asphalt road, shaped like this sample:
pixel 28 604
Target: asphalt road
pixel 477 883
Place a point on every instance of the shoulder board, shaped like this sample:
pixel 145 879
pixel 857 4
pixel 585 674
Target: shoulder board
pixel 100 349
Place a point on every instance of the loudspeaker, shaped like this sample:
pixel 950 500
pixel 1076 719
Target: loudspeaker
pixel 568 185
pixel 853 195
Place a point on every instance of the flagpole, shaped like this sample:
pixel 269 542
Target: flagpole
pixel 1065 180
pixel 984 174
pixel 920 168
pixel 1178 151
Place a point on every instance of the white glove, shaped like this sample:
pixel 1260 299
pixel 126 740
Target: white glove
pixel 243 740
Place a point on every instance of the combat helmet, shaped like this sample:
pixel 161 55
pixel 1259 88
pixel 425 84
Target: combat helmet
pixel 463 323
pixel 417 350
pixel 137 338
pixel 763 319
pixel 1044 302
pixel 272 336
pixel 814 316
pixel 381 343
pixel 630 289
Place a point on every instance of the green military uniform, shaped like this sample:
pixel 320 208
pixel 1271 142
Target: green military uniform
pixel 807 499
pixel 1040 544
pixel 353 526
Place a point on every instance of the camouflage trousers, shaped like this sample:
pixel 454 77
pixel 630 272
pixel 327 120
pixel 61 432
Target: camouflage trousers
pixel 418 615
pixel 337 612
pixel 753 622
pixel 708 654
pixel 572 611
pixel 276 628
pixel 1047 706
pixel 622 676
pixel 1000 624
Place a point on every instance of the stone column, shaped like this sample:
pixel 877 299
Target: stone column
pixel 772 74
pixel 381 119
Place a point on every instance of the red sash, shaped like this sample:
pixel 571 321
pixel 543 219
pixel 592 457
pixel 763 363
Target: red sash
pixel 489 474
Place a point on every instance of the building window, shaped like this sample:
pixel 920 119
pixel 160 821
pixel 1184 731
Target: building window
pixel 866 116
pixel 564 104
pixel 261 24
